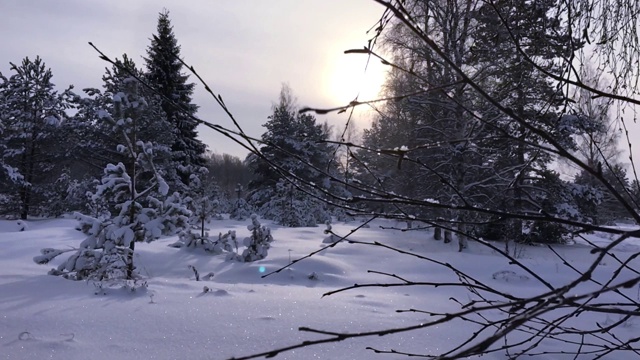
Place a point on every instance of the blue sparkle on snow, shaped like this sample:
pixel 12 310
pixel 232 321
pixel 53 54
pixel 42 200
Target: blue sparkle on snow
pixel 262 269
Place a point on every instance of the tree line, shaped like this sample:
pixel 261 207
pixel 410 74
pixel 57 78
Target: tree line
pixel 55 144
pixel 450 144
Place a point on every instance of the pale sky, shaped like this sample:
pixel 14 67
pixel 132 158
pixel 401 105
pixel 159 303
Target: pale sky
pixel 244 49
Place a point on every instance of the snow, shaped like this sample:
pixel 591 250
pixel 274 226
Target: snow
pixel 163 187
pixel 237 312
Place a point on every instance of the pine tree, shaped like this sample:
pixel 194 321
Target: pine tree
pixel 143 209
pixel 258 243
pixel 93 140
pixel 8 173
pixel 31 113
pixel 520 86
pixel 164 73
pixel 293 144
pixel 240 209
pixel 204 205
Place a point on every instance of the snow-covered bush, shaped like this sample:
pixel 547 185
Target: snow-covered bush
pixel 332 238
pixel 225 243
pixel 258 243
pixel 547 233
pixel 22 225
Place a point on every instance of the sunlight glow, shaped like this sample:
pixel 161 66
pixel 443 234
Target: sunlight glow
pixel 345 78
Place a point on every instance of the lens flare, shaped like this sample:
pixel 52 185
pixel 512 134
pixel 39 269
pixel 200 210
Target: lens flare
pixel 262 269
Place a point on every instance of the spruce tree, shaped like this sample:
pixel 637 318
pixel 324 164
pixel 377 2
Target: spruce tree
pixel 164 73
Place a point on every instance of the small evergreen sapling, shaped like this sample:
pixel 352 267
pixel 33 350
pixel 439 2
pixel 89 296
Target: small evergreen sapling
pixel 107 251
pixel 204 209
pixel 240 210
pixel 140 215
pixel 203 205
pixel 258 243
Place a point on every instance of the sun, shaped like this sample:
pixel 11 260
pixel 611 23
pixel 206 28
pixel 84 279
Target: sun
pixel 345 78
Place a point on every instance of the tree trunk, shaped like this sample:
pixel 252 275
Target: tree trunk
pixel 130 267
pixel 202 218
pixel 447 236
pixel 132 215
pixel 25 195
pixel 437 233
pixel 462 238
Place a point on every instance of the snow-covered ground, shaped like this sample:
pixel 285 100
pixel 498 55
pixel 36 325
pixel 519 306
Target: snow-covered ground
pixel 43 316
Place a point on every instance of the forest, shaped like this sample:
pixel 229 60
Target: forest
pixel 502 126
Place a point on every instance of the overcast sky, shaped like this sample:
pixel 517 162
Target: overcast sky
pixel 244 49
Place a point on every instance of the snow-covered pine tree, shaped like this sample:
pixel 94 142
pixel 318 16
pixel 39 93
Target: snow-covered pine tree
pixel 91 142
pixel 513 149
pixel 204 202
pixel 290 207
pixel 204 206
pixel 31 112
pixel 8 173
pixel 240 209
pixel 142 213
pixel 258 243
pixel 294 145
pixel 164 74
pixel 152 124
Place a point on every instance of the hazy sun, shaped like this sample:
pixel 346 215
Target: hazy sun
pixel 345 78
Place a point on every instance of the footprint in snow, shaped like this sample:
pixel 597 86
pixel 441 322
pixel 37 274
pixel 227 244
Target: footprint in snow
pixel 26 336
